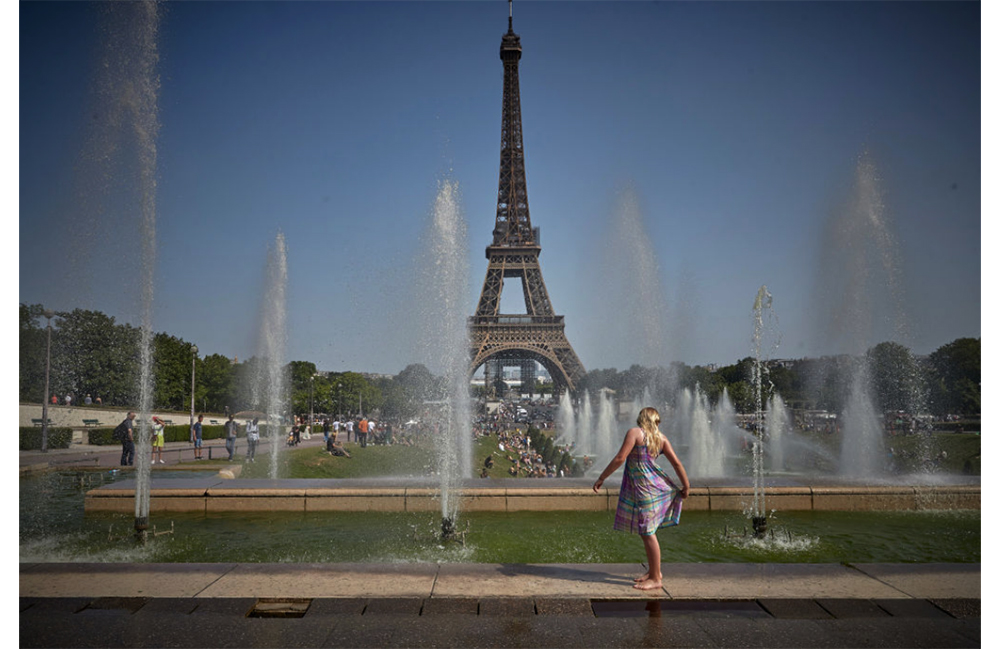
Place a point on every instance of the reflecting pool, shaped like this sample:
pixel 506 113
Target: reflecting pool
pixel 53 528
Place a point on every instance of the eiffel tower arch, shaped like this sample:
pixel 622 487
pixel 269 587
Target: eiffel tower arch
pixel 537 335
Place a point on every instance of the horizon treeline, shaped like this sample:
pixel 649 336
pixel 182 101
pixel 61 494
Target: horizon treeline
pixel 92 354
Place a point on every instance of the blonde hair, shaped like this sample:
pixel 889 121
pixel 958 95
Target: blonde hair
pixel 649 422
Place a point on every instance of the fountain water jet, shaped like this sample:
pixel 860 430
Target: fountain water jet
pixel 446 277
pixel 761 311
pixel 566 421
pixel 585 417
pixel 270 384
pixel 122 155
pixel 778 427
pixel 605 430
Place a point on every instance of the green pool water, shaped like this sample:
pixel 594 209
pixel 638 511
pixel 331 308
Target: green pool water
pixel 53 528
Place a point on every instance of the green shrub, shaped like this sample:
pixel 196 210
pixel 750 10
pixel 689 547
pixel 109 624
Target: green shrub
pixel 963 425
pixel 101 436
pixel 566 463
pixel 30 438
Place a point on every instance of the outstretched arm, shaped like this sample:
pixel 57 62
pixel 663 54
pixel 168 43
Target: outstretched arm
pixel 668 452
pixel 631 437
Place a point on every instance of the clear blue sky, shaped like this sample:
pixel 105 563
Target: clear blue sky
pixel 735 128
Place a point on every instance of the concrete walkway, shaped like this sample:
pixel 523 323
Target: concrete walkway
pixel 490 605
pixel 83 456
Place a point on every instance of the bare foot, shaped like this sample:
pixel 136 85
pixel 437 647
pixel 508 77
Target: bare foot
pixel 642 577
pixel 649 584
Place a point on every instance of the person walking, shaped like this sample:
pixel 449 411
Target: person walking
pixel 157 438
pixel 124 433
pixel 648 498
pixel 350 429
pixel 231 429
pixel 363 432
pixel 196 437
pixel 253 436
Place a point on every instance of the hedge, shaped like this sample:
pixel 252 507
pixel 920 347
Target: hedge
pixel 30 438
pixel 963 425
pixel 181 433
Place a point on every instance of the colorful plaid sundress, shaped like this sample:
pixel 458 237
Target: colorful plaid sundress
pixel 648 499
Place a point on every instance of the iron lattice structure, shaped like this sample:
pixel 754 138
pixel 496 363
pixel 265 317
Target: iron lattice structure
pixel 504 340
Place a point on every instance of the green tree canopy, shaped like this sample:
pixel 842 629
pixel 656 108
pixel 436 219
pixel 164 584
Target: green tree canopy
pixel 956 376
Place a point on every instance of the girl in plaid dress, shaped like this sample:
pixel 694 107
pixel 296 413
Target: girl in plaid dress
pixel 648 499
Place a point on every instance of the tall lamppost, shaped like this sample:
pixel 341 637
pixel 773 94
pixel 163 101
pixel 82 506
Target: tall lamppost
pixel 340 403
pixel 194 356
pixel 312 381
pixel 48 313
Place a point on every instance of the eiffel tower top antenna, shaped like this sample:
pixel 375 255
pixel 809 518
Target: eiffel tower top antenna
pixel 510 17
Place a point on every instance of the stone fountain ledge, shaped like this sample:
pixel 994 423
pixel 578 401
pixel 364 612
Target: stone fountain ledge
pixel 212 495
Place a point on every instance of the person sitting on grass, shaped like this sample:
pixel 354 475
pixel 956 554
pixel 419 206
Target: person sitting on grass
pixel 335 449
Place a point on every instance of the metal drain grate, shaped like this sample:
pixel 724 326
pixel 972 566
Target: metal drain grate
pixel 280 608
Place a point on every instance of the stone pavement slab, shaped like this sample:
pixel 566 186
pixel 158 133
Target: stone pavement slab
pixel 844 609
pixel 325 580
pixel 119 579
pixel 927 580
pixel 795 609
pixel 550 580
pixel 959 607
pixel 771 580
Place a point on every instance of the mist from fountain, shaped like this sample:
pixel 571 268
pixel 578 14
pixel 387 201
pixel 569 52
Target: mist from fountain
pixel 566 422
pixel 269 388
pixel 862 451
pixel 584 417
pixel 605 428
pixel 631 287
pixel 779 428
pixel 862 303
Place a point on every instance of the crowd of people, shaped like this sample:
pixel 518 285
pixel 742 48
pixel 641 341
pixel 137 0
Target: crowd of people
pixel 508 424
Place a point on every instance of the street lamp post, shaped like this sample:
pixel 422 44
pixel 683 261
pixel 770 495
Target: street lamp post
pixel 48 313
pixel 340 403
pixel 194 356
pixel 312 382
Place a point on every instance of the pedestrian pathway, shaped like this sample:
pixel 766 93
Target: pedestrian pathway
pixel 498 605
pixel 83 456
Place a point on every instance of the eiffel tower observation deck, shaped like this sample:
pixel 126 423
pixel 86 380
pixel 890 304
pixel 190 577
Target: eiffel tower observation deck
pixel 536 334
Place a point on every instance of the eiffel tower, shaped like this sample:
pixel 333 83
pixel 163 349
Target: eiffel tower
pixel 517 340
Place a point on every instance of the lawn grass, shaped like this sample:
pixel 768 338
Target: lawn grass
pixel 962 449
pixel 374 461
pixel 910 451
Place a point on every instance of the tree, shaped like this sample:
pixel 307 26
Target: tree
pixel 300 375
pixel 31 359
pixel 417 380
pixel 736 380
pixel 356 393
pixel 956 376
pixel 93 355
pixel 215 383
pixel 172 370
